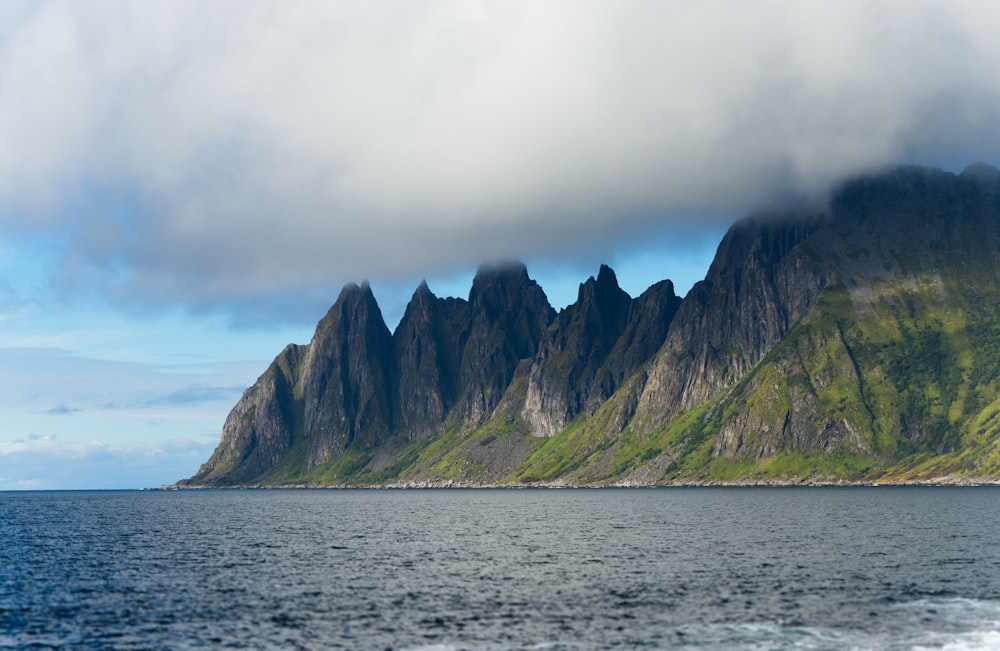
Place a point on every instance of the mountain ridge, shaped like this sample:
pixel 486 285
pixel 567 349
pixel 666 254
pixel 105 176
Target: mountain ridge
pixel 852 344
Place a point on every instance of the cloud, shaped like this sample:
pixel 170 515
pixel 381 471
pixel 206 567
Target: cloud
pixel 50 447
pixel 113 400
pixel 202 154
pixel 196 394
pixel 63 410
pixel 48 463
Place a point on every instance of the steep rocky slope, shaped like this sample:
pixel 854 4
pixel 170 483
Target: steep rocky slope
pixel 593 346
pixel 860 342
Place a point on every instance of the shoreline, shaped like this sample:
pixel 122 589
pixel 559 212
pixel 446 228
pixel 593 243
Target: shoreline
pixel 961 482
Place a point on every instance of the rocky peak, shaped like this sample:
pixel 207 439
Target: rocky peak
pixel 347 380
pixel 428 344
pixel 423 291
pixel 649 319
pixel 354 305
pixel 421 304
pixel 509 313
pixel 606 281
pixel 507 301
pixel 592 346
pixel 495 289
pixel 604 302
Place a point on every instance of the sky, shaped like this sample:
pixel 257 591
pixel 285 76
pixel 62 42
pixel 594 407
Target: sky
pixel 186 186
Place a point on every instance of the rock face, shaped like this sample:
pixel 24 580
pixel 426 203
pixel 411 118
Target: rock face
pixel 859 342
pixel 348 386
pixel 879 323
pixel 429 342
pixel 758 286
pixel 260 429
pixel 509 314
pixel 356 386
pixel 593 346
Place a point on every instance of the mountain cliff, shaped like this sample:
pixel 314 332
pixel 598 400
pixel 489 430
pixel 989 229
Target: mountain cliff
pixel 594 345
pixel 860 342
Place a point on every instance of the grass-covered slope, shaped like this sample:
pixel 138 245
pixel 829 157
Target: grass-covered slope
pixel 907 389
pixel 893 374
pixel 898 390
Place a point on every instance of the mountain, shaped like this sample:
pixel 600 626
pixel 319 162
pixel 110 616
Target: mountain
pixel 858 342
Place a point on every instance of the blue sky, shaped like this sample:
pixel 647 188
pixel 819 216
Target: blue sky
pixel 185 186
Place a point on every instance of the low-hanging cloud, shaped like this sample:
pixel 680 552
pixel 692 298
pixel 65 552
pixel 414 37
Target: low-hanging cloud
pixel 207 152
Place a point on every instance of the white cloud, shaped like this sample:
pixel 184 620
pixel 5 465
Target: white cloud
pixel 69 421
pixel 50 392
pixel 204 153
pixel 48 463
pixel 50 447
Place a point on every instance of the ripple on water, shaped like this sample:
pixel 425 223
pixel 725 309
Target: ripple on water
pixel 688 568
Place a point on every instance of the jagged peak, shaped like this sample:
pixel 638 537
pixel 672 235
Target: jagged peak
pixel 350 294
pixel 354 299
pixel 423 291
pixel 503 278
pixel 604 285
pixel 420 303
pixel 606 276
pixel 664 286
pixel 352 289
pixel 490 273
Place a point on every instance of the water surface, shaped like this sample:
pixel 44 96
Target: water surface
pixel 697 568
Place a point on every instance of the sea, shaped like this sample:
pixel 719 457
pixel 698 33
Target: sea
pixel 669 568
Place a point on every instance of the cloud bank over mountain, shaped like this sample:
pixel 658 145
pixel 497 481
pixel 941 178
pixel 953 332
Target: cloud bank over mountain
pixel 202 154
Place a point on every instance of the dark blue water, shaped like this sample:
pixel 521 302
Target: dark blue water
pixel 752 568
